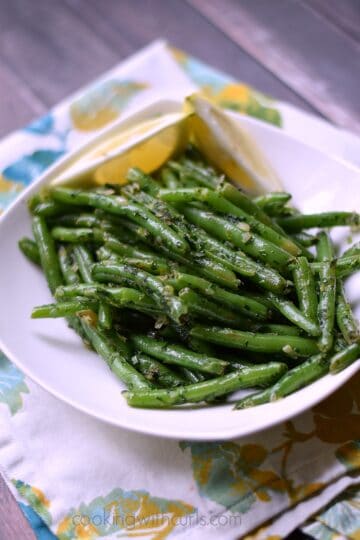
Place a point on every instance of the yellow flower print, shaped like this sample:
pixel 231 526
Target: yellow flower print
pixel 349 455
pixel 7 185
pixel 232 475
pixel 134 513
pixel 36 498
pixel 103 103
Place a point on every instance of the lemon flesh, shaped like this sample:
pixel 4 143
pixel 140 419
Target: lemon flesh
pixel 230 148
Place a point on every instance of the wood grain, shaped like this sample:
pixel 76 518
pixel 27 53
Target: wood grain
pixel 18 104
pixel 344 14
pixel 13 524
pixel 51 48
pixel 185 28
pixel 304 51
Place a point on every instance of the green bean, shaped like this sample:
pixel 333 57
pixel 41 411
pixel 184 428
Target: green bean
pixel 247 377
pixel 326 219
pixel 200 346
pixel 143 180
pixel 189 169
pixel 47 208
pixel 156 372
pixel 300 376
pixel 305 288
pixel 105 316
pixel 239 198
pixel 127 250
pixel 106 348
pixel 260 297
pixel 345 319
pixel 84 261
pixel 169 178
pixel 73 290
pixel 63 309
pixel 340 343
pixel 239 234
pixel 212 270
pixel 130 298
pixel 130 232
pixel 344 266
pixel 257 398
pixel 292 346
pixel 324 249
pixel 123 297
pixel 166 213
pixel 161 209
pixel 76 220
pixel 124 274
pixel 344 358
pixel 48 257
pixel 71 277
pixel 268 228
pixel 68 267
pixel 204 308
pixel 293 314
pixel 353 250
pixel 153 267
pixel 178 355
pixel 67 234
pixel 120 206
pixel 327 300
pixel 306 239
pixel 191 376
pixel 124 230
pixel 33 201
pixel 243 304
pixel 30 250
pixel 266 278
pixel 327 292
pixel 221 204
pixel 104 254
pixel 273 204
pixel 120 342
pixel 280 329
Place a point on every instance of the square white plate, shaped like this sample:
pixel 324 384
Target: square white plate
pixel 53 356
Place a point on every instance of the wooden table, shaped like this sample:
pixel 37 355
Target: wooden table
pixel 303 51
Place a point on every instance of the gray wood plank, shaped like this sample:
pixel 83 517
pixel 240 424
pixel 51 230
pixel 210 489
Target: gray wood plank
pixel 18 105
pixel 185 28
pixel 344 14
pixel 13 525
pixel 305 52
pixel 51 48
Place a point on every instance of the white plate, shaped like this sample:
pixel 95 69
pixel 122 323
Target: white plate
pixel 54 357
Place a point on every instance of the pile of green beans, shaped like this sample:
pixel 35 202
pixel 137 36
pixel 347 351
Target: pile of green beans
pixel 189 289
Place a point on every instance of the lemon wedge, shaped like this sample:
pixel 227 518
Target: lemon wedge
pixel 147 145
pixel 229 147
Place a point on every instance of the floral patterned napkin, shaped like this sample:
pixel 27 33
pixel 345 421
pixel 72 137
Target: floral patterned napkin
pixel 77 478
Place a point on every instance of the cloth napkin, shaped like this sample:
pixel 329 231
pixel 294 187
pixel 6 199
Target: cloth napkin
pixel 78 478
